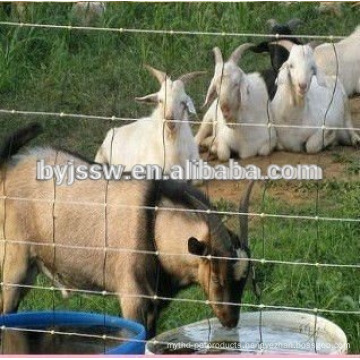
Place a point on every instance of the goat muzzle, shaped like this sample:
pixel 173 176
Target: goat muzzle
pixel 302 89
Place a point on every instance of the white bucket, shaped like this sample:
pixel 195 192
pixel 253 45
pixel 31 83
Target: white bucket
pixel 283 332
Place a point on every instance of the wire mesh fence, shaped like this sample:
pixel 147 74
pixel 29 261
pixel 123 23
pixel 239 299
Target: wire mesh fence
pixel 303 235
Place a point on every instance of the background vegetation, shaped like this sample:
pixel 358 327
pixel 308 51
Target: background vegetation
pixel 100 73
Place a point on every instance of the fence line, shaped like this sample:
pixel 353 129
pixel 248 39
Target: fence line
pixel 116 118
pixel 199 211
pixel 121 30
pixel 196 301
pixel 105 249
pixel 109 249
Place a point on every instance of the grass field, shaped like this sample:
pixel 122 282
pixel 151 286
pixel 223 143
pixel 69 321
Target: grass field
pixel 100 73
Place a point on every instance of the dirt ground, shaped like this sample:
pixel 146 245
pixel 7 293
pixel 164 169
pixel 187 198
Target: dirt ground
pixel 335 163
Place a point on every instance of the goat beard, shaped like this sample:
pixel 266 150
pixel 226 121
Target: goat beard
pixel 296 99
pixel 171 130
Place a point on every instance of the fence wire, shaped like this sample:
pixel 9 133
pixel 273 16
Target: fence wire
pixel 56 243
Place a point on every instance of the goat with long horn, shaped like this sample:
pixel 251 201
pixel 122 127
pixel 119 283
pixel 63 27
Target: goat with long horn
pixel 237 98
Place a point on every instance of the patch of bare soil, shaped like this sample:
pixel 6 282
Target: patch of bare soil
pixel 335 162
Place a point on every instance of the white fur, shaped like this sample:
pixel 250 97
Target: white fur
pixel 348 58
pixel 303 98
pixel 246 99
pixel 155 139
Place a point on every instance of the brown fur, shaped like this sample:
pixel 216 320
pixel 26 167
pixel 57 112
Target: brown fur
pixel 38 232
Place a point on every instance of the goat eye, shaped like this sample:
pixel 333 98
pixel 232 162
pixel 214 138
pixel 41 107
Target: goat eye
pixel 291 66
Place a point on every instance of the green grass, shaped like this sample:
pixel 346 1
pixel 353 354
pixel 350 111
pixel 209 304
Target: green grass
pixel 100 73
pixel 281 285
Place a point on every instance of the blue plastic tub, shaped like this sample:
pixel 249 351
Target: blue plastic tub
pixel 43 320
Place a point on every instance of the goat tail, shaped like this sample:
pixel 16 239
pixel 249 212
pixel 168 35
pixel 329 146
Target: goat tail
pixel 17 140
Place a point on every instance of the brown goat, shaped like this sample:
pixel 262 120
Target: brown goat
pixel 102 235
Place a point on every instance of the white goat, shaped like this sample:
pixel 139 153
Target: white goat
pixel 242 99
pixel 305 99
pixel 164 139
pixel 342 57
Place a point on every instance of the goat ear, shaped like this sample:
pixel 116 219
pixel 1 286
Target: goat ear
pixel 283 74
pixel 148 99
pixel 197 247
pixel 190 106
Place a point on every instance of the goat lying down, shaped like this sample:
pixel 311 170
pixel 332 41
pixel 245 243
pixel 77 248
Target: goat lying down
pixel 214 125
pixel 342 58
pixel 102 235
pixel 305 99
pixel 242 100
pixel 164 139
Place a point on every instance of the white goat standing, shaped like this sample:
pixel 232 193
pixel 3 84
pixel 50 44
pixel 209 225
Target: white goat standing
pixel 306 101
pixel 243 101
pixel 342 58
pixel 164 139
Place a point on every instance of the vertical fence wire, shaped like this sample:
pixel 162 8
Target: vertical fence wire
pixel 158 271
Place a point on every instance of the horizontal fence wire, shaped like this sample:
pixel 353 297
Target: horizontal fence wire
pixel 110 249
pixel 120 30
pixel 106 249
pixel 116 118
pixel 174 209
pixel 177 299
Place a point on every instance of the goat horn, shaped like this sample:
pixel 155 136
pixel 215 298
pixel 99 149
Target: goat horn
pixel 191 75
pixel 284 43
pixel 210 93
pixel 218 55
pixel 238 52
pixel 160 75
pixel 243 217
pixel 294 23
